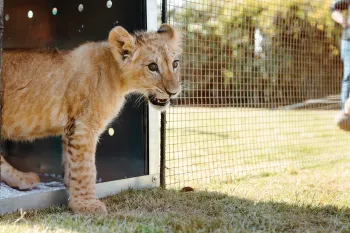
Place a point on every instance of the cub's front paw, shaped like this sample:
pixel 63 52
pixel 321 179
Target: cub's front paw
pixel 87 206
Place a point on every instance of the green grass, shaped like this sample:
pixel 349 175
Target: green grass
pixel 215 151
pixel 207 144
pixel 299 200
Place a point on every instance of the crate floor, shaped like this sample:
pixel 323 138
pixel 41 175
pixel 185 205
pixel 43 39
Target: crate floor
pixel 8 192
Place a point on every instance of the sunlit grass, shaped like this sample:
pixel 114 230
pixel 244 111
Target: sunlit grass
pixel 215 150
pixel 297 200
pixel 207 144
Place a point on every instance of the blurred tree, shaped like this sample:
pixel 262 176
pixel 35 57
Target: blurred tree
pixel 258 53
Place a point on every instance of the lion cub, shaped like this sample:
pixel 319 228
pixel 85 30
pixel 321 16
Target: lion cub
pixel 77 93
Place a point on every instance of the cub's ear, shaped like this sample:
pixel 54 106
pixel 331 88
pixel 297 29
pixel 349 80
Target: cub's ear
pixel 173 37
pixel 121 43
pixel 167 30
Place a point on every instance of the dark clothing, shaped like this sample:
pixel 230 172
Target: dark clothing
pixel 343 5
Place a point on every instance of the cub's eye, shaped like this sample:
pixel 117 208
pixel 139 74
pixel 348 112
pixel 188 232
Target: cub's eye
pixel 175 64
pixel 153 67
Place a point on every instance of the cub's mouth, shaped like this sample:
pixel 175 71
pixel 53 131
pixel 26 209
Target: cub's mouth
pixel 158 102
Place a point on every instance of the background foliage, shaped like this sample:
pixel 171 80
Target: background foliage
pixel 258 53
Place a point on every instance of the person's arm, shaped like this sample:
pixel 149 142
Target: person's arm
pixel 347 107
pixel 336 7
pixel 338 17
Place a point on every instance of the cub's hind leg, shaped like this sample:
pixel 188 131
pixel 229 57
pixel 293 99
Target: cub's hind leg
pixel 17 179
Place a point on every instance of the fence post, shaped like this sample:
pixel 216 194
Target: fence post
pixel 163 122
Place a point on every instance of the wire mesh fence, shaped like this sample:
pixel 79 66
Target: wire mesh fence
pixel 262 82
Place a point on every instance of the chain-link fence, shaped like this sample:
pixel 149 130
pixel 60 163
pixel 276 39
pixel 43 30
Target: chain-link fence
pixel 262 81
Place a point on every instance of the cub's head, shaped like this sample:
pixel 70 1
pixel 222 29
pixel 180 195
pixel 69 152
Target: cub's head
pixel 149 62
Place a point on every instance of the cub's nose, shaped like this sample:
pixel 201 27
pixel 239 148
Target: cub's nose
pixel 172 88
pixel 170 93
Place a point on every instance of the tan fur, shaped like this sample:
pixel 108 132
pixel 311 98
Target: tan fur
pixel 76 94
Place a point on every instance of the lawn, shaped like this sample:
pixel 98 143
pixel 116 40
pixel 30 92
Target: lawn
pixel 305 200
pixel 209 144
pixel 252 170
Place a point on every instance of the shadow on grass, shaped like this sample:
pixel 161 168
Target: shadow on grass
pixel 158 210
pixel 209 133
